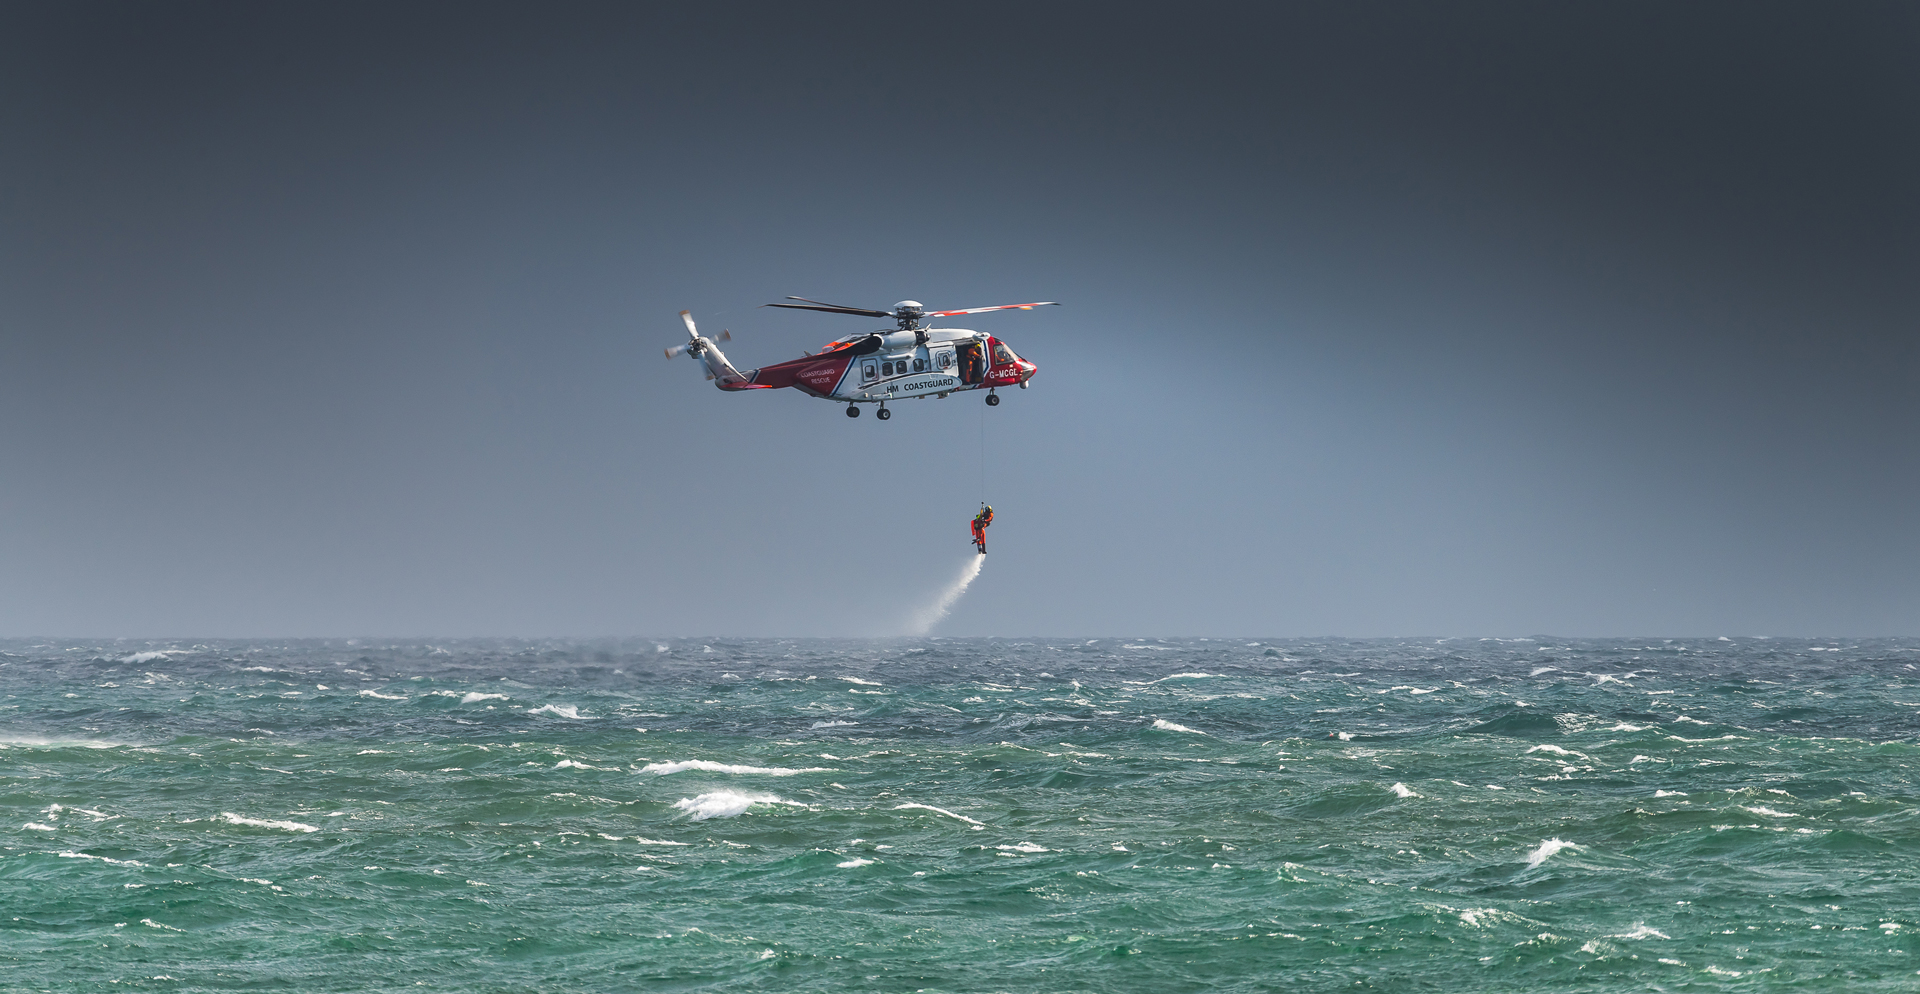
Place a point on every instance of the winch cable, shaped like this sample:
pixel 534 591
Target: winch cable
pixel 983 455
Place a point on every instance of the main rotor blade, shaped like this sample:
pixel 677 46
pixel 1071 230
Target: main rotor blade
pixel 822 303
pixel 996 307
pixel 687 316
pixel 834 309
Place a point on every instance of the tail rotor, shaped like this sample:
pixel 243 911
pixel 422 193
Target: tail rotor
pixel 693 345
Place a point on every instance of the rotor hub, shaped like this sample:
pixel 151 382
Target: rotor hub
pixel 909 313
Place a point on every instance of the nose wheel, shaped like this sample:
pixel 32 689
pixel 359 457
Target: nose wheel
pixel 852 411
pixel 993 399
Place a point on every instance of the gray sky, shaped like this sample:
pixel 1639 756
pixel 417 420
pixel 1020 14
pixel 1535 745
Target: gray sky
pixel 1377 319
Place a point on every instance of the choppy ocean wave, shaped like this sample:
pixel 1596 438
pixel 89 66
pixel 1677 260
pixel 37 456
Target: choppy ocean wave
pixel 961 814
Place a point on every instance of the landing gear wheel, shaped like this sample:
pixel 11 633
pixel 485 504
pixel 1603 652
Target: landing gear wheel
pixel 883 414
pixel 852 411
pixel 993 400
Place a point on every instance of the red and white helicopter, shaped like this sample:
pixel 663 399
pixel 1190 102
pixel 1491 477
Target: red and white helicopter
pixel 876 367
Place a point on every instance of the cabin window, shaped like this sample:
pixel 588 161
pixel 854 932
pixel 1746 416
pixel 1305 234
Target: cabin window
pixel 919 365
pixel 868 370
pixel 886 369
pixel 946 359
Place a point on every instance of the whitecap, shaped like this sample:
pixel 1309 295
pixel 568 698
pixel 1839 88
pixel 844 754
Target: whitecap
pixel 944 811
pixel 150 923
pixel 563 711
pixel 709 766
pixel 723 803
pixel 834 724
pixel 1669 793
pixel 476 697
pixel 1168 726
pixel 1403 790
pixel 1769 812
pixel 1556 750
pixel 37 827
pixel 381 696
pixel 1024 847
pixel 36 742
pixel 856 861
pixel 1548 848
pixel 103 859
pixel 1544 669
pixel 285 826
pixel 1641 931
pixel 658 842
pixel 571 764
pixel 1184 676
pixel 863 683
pixel 152 657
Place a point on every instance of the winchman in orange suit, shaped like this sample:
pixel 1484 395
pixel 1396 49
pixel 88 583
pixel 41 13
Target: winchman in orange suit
pixel 980 523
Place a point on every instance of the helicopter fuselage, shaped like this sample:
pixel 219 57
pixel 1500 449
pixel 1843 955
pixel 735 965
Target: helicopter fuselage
pixel 894 365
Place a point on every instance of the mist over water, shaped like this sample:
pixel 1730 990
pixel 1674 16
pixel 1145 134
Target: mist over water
pixel 926 617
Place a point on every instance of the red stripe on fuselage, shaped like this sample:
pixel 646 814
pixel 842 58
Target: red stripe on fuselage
pixel 816 375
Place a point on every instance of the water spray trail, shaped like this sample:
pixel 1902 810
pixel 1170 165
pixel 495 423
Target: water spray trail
pixel 925 618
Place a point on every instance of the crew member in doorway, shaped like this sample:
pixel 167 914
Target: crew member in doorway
pixel 980 523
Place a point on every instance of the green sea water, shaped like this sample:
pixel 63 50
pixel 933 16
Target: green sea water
pixel 960 815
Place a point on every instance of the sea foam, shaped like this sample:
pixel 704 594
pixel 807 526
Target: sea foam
pixel 1547 848
pixel 103 859
pixel 285 826
pixel 562 711
pixel 35 742
pixel 152 657
pixel 944 811
pixel 709 766
pixel 1168 726
pixel 724 803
